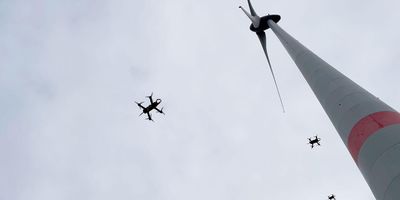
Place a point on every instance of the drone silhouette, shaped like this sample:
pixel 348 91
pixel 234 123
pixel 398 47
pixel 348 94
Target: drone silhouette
pixel 331 197
pixel 153 106
pixel 314 141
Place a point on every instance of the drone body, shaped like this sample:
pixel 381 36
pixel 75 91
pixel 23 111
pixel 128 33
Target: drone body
pixel 153 106
pixel 314 141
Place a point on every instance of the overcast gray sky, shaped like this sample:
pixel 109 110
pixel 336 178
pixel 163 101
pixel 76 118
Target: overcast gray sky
pixel 70 72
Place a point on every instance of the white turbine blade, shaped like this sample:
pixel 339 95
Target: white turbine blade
pixel 252 11
pixel 255 20
pixel 263 40
pixel 247 13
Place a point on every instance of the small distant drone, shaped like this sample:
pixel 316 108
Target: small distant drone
pixel 153 105
pixel 331 197
pixel 314 141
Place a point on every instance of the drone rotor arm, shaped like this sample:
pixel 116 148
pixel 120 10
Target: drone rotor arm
pixel 151 98
pixel 160 110
pixel 149 117
pixel 140 104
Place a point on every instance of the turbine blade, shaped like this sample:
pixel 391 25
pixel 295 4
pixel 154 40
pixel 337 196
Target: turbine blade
pixel 255 20
pixel 247 13
pixel 252 11
pixel 263 40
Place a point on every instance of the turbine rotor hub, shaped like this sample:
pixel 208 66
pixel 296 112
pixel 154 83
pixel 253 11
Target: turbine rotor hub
pixel 263 23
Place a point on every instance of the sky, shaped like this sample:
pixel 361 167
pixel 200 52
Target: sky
pixel 70 72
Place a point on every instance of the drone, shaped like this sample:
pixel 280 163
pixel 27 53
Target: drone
pixel 331 197
pixel 314 141
pixel 153 106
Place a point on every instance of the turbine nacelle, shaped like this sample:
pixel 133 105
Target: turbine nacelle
pixel 259 23
pixel 263 24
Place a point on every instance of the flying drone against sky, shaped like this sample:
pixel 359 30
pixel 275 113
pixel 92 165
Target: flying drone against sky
pixel 314 141
pixel 153 106
pixel 332 197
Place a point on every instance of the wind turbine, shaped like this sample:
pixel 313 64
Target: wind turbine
pixel 259 25
pixel 368 127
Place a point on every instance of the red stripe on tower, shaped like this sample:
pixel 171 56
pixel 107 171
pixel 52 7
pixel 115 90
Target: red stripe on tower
pixel 368 126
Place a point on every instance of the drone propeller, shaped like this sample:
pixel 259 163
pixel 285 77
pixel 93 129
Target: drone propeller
pixel 263 41
pixel 161 111
pixel 150 119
